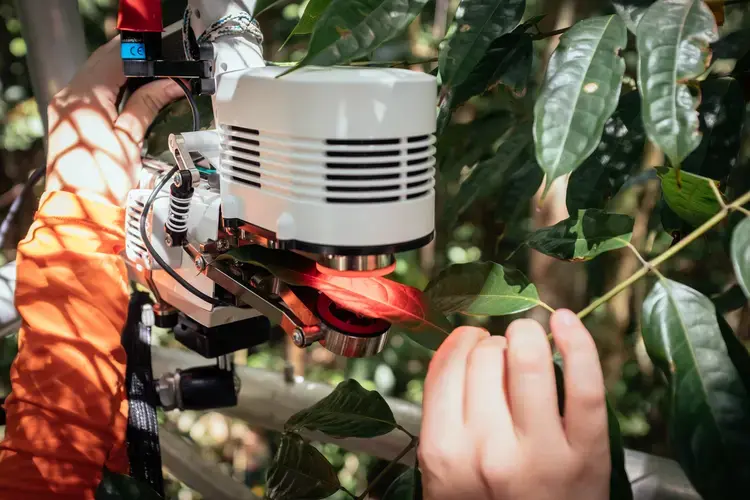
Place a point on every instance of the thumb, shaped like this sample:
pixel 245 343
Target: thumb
pixel 143 107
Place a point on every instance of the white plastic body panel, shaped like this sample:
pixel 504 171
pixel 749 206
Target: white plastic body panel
pixel 336 157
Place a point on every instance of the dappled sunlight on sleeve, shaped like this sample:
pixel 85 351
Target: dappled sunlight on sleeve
pixel 67 412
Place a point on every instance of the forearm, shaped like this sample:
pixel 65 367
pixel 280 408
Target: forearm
pixel 67 413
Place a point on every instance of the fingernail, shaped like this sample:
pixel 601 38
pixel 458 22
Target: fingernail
pixel 568 317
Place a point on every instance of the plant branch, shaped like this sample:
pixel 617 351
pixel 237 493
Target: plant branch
pixel 546 306
pixel 412 444
pixel 743 210
pixel 652 264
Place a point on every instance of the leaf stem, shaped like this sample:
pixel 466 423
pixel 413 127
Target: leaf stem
pixel 546 306
pixel 743 210
pixel 542 36
pixel 348 492
pixel 670 252
pixel 403 429
pixel 412 444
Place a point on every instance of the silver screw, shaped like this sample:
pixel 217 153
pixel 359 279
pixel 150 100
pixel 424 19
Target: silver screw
pixel 177 179
pixel 298 338
pixel 200 263
pixel 222 245
pixel 168 239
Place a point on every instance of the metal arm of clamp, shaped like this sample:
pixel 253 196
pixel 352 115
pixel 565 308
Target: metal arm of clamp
pixel 283 308
pixel 182 157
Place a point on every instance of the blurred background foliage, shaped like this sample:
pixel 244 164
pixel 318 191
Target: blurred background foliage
pixel 491 229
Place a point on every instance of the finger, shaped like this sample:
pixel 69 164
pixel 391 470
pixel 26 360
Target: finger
pixel 443 401
pixel 103 72
pixel 486 403
pixel 585 417
pixel 531 384
pixel 143 107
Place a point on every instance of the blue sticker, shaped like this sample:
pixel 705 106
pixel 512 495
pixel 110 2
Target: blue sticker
pixel 133 50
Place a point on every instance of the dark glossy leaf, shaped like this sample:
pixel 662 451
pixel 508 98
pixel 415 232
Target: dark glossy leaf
pixel 709 427
pixel 263 5
pixel 299 471
pixel 618 156
pixel 619 483
pixel 403 306
pixel 673 38
pixel 722 115
pixel 310 17
pixel 115 486
pixel 733 45
pixel 507 62
pixel 740 251
pixel 483 289
pixel 583 236
pixel 403 487
pixel 737 352
pixel 467 143
pixel 349 29
pixel 690 196
pixel 521 183
pixel 730 300
pixel 349 411
pixel 488 176
pixel 479 23
pixel 631 11
pixel 579 93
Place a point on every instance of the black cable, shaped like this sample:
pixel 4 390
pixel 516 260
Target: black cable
pixel 191 101
pixel 147 208
pixel 152 251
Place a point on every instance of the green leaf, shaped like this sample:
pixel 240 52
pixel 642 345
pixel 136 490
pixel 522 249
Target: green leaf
pixel 405 307
pixel 465 144
pixel 404 485
pixel 631 11
pixel 722 115
pixel 115 486
pixel 601 176
pixel 673 38
pixel 709 428
pixel 690 196
pixel 519 187
pixel 299 471
pixel 583 236
pixel 263 5
pixel 619 483
pixel 487 177
pixel 349 411
pixel 479 23
pixel 349 29
pixel 483 289
pixel 507 62
pixel 310 17
pixel 740 251
pixel 579 93
pixel 737 352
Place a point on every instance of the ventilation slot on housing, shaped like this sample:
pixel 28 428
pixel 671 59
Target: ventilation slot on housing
pixel 240 146
pixel 391 159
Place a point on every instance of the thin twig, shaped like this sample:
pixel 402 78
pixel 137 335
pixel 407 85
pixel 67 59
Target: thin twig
pixel 743 210
pixel 671 251
pixel 412 444
pixel 403 429
pixel 717 194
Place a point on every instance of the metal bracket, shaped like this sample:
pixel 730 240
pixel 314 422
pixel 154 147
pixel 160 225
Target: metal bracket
pixel 182 157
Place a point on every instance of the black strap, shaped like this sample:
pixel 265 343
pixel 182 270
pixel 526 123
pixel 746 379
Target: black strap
pixel 144 451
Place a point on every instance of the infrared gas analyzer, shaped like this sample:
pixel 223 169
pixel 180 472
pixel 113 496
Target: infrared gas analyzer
pixel 332 167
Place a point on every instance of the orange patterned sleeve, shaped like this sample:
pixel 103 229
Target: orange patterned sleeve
pixel 67 412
